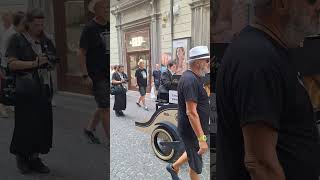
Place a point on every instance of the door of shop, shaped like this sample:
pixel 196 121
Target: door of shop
pixel 133 59
pixel 70 17
pixel 138 47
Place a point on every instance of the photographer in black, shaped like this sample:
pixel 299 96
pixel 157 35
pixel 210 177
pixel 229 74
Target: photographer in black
pixel 166 82
pixel 31 56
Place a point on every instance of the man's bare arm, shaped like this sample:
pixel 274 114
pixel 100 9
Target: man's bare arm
pixel 261 158
pixel 15 64
pixel 82 59
pixel 194 119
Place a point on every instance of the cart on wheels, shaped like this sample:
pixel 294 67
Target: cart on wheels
pixel 162 127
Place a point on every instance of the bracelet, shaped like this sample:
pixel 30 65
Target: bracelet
pixel 202 138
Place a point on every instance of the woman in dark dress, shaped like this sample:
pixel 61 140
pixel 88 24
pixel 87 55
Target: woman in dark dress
pixel 33 110
pixel 119 78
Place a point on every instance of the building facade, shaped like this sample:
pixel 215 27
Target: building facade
pixel 156 31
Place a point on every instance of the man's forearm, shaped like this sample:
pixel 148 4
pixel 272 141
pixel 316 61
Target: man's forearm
pixel 195 123
pixel 83 66
pixel 15 65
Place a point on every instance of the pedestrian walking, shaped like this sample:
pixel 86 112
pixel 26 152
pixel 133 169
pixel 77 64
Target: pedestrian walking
pixel 8 31
pixel 18 26
pixel 166 83
pixel 193 114
pixel 94 63
pixel 119 78
pixel 27 59
pixel 156 74
pixel 112 70
pixel 266 126
pixel 141 76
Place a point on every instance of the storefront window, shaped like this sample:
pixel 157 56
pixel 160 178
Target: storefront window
pixel 137 41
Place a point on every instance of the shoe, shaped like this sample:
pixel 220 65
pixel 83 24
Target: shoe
pixel 117 113
pixel 173 173
pixel 93 139
pixel 146 108
pixel 138 104
pixel 23 165
pixel 37 165
pixel 121 113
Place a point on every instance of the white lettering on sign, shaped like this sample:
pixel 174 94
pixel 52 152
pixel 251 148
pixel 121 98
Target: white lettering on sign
pixel 173 97
pixel 137 41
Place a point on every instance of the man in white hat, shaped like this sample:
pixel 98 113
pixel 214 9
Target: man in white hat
pixel 94 63
pixel 193 113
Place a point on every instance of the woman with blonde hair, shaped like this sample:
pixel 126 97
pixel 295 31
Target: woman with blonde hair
pixel 141 76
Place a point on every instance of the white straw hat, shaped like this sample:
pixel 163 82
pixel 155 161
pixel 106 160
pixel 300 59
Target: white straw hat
pixel 198 52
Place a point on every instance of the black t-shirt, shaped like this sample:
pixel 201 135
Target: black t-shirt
pixel 94 40
pixel 190 88
pixel 156 75
pixel 257 82
pixel 141 75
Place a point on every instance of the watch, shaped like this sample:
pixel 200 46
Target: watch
pixel 202 138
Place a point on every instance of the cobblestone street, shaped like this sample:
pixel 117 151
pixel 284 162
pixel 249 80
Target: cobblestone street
pixel 132 157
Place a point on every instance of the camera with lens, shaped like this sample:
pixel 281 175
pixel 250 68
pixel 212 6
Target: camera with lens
pixel 53 59
pixel 49 54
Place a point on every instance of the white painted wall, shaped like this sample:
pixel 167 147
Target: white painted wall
pixel 114 52
pixel 182 23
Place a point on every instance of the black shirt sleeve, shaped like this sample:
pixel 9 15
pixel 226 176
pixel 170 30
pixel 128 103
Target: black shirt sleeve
pixel 114 76
pixel 13 47
pixel 190 90
pixel 258 96
pixel 84 38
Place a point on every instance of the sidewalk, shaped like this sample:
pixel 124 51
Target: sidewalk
pixel 72 157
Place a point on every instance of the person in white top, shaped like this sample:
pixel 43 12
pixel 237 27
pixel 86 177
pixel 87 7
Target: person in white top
pixel 6 27
pixel 6 23
pixel 16 27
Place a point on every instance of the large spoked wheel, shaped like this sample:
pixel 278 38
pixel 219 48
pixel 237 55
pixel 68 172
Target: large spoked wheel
pixel 159 135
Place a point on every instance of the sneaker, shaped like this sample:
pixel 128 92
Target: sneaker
pixel 146 108
pixel 117 113
pixel 93 139
pixel 37 165
pixel 23 165
pixel 138 104
pixel 173 173
pixel 121 113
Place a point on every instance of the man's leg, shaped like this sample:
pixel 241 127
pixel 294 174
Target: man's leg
pixel 193 175
pixel 182 160
pixel 88 131
pixel 3 111
pixel 93 123
pixel 143 101
pixel 106 121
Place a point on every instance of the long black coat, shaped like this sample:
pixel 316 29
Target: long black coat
pixel 120 101
pixel 33 128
